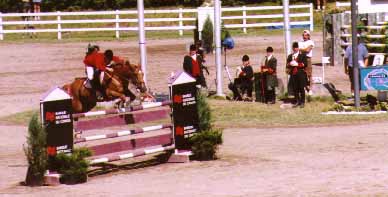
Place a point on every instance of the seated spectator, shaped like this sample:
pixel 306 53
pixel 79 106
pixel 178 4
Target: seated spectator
pixel 246 78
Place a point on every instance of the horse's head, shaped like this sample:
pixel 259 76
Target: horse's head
pixel 137 76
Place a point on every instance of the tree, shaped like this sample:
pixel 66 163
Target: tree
pixel 207 35
pixel 36 152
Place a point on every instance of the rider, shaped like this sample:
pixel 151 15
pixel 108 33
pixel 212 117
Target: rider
pixel 96 64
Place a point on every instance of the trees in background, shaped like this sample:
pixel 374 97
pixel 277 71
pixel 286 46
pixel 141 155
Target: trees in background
pixel 73 5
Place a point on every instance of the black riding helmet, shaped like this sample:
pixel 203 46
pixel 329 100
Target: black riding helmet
pixel 92 48
pixel 108 55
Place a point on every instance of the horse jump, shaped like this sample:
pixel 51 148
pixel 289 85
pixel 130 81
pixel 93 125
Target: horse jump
pixel 65 127
pixel 119 117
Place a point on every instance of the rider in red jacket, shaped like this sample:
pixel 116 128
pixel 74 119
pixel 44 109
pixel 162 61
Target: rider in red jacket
pixel 96 64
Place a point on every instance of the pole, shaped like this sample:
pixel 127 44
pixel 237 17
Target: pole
pixel 142 43
pixel 355 54
pixel 287 32
pixel 217 25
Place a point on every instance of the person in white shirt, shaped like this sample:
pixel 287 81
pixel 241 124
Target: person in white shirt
pixel 306 47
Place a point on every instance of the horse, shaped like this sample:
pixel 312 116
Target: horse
pixel 125 80
pixel 132 78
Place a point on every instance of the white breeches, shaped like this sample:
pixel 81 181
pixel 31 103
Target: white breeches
pixel 90 72
pixel 101 77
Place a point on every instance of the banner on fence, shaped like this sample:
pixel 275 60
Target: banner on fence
pixel 56 117
pixel 183 92
pixel 374 78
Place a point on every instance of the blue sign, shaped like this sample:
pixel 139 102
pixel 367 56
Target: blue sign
pixel 374 78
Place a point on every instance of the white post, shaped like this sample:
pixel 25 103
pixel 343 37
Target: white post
pixel 311 17
pixel 323 73
pixel 1 27
pixel 244 18
pixel 217 26
pixel 117 24
pixel 59 26
pixel 287 32
pixel 142 46
pixel 180 21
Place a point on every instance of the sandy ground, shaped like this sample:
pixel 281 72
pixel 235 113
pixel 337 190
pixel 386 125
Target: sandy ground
pixel 323 161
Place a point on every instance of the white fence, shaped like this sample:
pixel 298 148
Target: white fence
pixel 342 4
pixel 10 25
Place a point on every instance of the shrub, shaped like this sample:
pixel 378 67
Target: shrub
pixel 204 113
pixel 207 35
pixel 36 152
pixel 72 167
pixel 205 144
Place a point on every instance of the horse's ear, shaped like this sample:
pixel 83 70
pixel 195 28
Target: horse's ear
pixel 127 63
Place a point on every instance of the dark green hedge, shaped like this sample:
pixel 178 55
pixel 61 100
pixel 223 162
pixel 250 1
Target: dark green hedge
pixel 72 5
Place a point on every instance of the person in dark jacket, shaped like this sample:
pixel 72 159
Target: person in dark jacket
pixel 192 64
pixel 269 69
pixel 296 65
pixel 246 77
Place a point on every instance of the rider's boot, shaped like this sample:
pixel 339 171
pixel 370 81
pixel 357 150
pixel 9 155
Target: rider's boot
pixel 98 89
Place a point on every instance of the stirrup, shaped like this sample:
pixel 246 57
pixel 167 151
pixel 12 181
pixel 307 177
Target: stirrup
pixel 99 96
pixel 88 84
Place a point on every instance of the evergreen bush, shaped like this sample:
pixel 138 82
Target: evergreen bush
pixel 73 167
pixel 205 143
pixel 207 35
pixel 36 152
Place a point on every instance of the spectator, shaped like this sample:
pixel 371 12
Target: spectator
pixel 246 78
pixel 36 4
pixel 306 47
pixel 362 60
pixel 296 64
pixel 269 68
pixel 192 65
pixel 319 4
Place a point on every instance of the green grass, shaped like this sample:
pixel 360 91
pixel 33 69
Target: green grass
pixel 258 115
pixel 21 118
pixel 227 114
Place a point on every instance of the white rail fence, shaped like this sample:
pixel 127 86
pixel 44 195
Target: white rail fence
pixel 12 23
pixel 342 4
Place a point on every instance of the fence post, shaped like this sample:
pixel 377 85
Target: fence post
pixel 59 26
pixel 180 22
pixel 311 17
pixel 117 24
pixel 244 18
pixel 1 27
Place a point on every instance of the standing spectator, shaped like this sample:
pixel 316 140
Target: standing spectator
pixel 362 60
pixel 306 47
pixel 27 4
pixel 296 64
pixel 36 4
pixel 192 65
pixel 319 4
pixel 246 78
pixel 269 68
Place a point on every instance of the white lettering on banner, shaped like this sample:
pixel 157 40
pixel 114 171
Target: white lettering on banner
pixel 62 117
pixel 64 151
pixel 188 100
pixel 187 95
pixel 62 147
pixel 189 130
pixel 60 112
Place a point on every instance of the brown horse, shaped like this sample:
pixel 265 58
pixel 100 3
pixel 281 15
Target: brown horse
pixel 132 78
pixel 124 81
